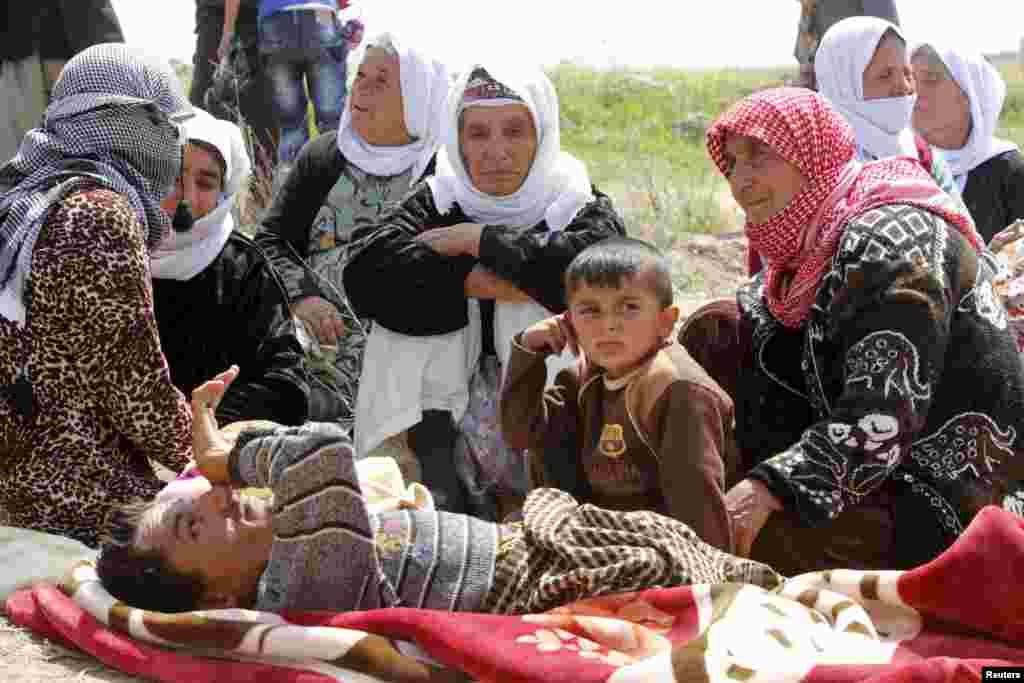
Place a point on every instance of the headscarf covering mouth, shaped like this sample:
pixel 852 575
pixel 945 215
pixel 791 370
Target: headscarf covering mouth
pixel 882 126
pixel 111 124
pixel 183 255
pixel 800 241
pixel 557 185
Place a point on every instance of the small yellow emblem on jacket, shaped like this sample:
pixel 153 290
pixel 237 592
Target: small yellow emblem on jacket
pixel 613 441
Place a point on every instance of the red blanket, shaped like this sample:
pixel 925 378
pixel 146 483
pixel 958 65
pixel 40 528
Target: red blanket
pixel 941 622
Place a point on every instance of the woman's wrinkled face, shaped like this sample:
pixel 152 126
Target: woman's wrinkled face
pixel 498 146
pixel 888 74
pixel 378 114
pixel 201 182
pixel 941 105
pixel 761 181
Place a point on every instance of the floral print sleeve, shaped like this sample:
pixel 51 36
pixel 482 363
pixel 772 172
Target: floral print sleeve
pixel 888 302
pixel 112 290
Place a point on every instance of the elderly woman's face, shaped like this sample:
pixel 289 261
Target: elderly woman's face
pixel 498 145
pixel 888 74
pixel 941 106
pixel 762 182
pixel 376 104
pixel 201 182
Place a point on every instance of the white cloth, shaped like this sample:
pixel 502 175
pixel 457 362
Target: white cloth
pixel 183 255
pixel 403 376
pixel 557 186
pixel 425 82
pixel 986 91
pixel 441 366
pixel 881 126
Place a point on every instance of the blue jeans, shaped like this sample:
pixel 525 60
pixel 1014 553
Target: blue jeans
pixel 303 49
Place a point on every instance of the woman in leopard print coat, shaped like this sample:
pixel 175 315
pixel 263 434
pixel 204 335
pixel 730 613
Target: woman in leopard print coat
pixel 86 399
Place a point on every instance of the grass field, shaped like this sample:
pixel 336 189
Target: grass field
pixel 641 134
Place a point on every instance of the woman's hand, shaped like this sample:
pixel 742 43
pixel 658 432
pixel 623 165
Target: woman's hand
pixel 483 284
pixel 463 238
pixel 552 335
pixel 321 319
pixel 210 449
pixel 750 504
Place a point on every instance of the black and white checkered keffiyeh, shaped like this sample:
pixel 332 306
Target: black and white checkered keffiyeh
pixel 112 123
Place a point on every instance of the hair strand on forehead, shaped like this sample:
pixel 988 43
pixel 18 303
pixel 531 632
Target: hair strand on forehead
pixel 609 262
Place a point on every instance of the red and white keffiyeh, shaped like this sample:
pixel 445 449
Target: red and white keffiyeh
pixel 799 241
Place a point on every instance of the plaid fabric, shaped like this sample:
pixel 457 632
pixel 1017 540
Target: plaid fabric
pixel 95 116
pixel 569 552
pixel 801 239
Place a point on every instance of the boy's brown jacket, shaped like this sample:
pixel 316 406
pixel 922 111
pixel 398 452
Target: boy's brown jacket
pixel 667 436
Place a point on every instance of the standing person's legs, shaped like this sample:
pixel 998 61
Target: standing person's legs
pixel 209 25
pixel 284 76
pixel 283 68
pixel 326 70
pixel 24 87
pixel 326 78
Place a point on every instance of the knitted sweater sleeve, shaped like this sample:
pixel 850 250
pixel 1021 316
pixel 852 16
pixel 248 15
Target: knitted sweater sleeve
pixel 323 554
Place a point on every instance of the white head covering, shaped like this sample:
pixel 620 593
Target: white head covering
pixel 881 126
pixel 183 255
pixel 426 373
pixel 424 83
pixel 986 92
pixel 557 186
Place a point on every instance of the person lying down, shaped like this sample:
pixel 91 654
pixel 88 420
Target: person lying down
pixel 316 544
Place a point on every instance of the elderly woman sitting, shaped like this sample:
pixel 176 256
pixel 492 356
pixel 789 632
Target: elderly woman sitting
pixel 878 389
pixel 386 142
pixel 468 260
pixel 959 99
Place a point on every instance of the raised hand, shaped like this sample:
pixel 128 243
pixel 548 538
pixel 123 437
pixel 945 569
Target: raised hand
pixel 210 449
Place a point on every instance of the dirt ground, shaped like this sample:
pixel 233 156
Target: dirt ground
pixel 716 265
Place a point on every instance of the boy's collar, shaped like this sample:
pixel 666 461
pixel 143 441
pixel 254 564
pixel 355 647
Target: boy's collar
pixel 616 384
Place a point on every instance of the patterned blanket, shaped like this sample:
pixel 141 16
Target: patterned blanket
pixel 940 622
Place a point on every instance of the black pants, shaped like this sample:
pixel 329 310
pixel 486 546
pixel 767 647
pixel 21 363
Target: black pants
pixel 254 100
pixel 433 442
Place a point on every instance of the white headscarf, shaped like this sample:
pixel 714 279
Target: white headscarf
pixel 986 92
pixel 557 186
pixel 882 126
pixel 183 255
pixel 424 83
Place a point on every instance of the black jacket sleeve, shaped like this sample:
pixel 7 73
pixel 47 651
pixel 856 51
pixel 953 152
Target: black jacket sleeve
pixel 76 25
pixel 284 233
pixel 535 260
pixel 401 283
pixel 272 383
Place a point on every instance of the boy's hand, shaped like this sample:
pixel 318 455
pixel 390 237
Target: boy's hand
pixel 209 448
pixel 552 335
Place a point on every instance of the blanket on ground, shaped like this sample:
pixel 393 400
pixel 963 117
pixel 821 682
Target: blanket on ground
pixel 940 622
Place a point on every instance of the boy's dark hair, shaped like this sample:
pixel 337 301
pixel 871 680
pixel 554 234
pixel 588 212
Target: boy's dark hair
pixel 606 263
pixel 141 577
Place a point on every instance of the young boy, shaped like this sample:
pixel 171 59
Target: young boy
pixel 638 424
pixel 316 544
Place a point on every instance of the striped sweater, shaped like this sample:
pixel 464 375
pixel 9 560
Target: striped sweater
pixel 330 553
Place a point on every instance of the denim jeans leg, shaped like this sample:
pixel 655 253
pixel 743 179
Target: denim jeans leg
pixel 288 93
pixel 326 78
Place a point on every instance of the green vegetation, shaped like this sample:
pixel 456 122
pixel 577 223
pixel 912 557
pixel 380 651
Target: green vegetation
pixel 641 135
